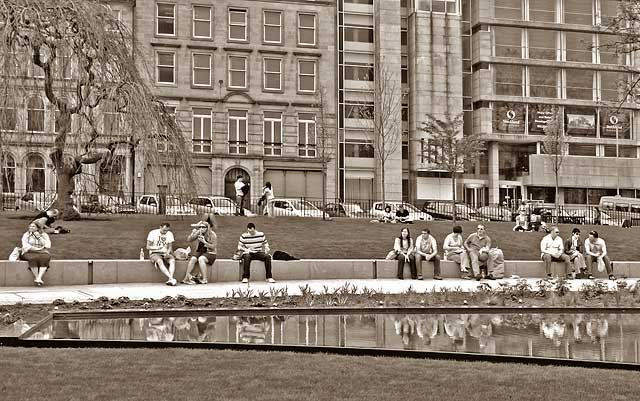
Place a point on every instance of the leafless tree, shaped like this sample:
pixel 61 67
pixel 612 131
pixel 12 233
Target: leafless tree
pixel 385 117
pixel 554 145
pixel 91 71
pixel 448 148
pixel 326 139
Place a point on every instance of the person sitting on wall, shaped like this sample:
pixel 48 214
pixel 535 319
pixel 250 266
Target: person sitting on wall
pixel 477 246
pixel 573 249
pixel 427 249
pixel 402 215
pixel 595 250
pixel 552 250
pixel 454 251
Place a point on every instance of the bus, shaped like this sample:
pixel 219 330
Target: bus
pixel 622 207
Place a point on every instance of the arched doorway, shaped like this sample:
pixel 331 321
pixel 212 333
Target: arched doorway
pixel 230 178
pixel 35 173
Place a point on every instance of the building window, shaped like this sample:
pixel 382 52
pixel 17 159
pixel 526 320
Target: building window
pixel 542 11
pixel 578 149
pixel 608 11
pixel 111 121
pixel 35 114
pixel 201 131
pixel 307 29
pixel 507 42
pixel 545 194
pixel 437 6
pixel 508 9
pixel 165 66
pixel 8 118
pixel 359 110
pixel 578 12
pixel 272 26
pixel 543 82
pixel 8 172
pixel 64 63
pixel 162 142
pixel 358 72
pixel 237 72
pixel 508 79
pixel 202 22
pixel 607 54
pixel 306 76
pixel 613 85
pixel 579 47
pixel 237 24
pixel 358 34
pixel 166 19
pixel 579 84
pixel 614 123
pixel 35 174
pixel 306 135
pixel 201 69
pixel 272 133
pixel 358 148
pixel 542 44
pixel 238 132
pixel 575 196
pixel 272 73
pixel 580 121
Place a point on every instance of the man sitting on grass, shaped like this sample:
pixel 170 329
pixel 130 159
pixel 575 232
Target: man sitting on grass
pixel 160 244
pixel 254 246
pixel 402 215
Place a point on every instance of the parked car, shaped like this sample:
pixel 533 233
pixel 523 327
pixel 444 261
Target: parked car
pixel 596 216
pixel 377 210
pixel 496 213
pixel 149 204
pixel 294 207
pixel 218 205
pixel 341 209
pixel 36 201
pixel 444 210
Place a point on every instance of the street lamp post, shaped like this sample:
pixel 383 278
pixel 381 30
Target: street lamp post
pixel 617 163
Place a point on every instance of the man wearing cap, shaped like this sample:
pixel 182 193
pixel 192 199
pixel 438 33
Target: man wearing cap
pixel 205 254
pixel 160 244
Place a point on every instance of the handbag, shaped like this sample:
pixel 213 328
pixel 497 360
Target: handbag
pixel 601 265
pixel 15 254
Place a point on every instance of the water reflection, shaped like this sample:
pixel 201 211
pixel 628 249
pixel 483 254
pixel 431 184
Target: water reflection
pixel 610 337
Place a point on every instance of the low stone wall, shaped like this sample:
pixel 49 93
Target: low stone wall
pixel 80 272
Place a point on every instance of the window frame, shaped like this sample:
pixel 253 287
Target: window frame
pixel 42 112
pixel 201 141
pixel 307 149
pixel 265 72
pixel 230 24
pixel 174 19
pixel 315 76
pixel 315 30
pixel 194 68
pixel 237 143
pixel 273 148
pixel 158 66
pixel 265 25
pixel 230 70
pixel 194 20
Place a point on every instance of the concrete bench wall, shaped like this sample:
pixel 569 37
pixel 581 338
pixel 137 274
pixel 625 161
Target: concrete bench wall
pixel 80 272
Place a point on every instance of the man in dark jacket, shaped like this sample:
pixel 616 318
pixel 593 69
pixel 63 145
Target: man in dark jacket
pixel 573 249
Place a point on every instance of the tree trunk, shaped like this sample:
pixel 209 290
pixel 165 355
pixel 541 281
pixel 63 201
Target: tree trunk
pixel 382 184
pixel 453 187
pixel 324 191
pixel 557 171
pixel 65 188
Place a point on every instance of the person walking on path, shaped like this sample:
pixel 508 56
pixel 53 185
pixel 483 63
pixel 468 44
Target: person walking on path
pixel 35 250
pixel 403 247
pixel 160 244
pixel 595 250
pixel 205 254
pixel 254 246
pixel 552 250
pixel 427 249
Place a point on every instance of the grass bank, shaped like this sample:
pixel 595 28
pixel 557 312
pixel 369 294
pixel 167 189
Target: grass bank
pixel 121 237
pixel 144 374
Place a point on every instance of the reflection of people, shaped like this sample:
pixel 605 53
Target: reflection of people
pixel 595 250
pixel 597 328
pixel 205 254
pixel 573 249
pixel 480 327
pixel 253 330
pixel 552 250
pixel 35 250
pixel 553 329
pixel 404 252
pixel 406 328
pixel 454 327
pixel 160 244
pixel 427 249
pixel 160 329
pixel 427 327
pixel 254 246
pixel 454 250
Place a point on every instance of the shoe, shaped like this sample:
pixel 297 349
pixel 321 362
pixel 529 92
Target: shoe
pixel 271 280
pixel 203 281
pixel 590 277
pixel 437 278
pixel 612 277
pixel 245 280
pixel 172 282
pixel 419 277
pixel 549 277
pixel 478 277
pixel 189 281
pixel 39 283
pixel 400 278
pixel 466 277
pixel 490 277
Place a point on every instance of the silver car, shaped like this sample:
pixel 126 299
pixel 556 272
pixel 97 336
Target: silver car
pixel 218 205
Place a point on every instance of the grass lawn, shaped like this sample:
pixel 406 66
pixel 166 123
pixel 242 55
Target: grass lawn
pixel 122 236
pixel 181 374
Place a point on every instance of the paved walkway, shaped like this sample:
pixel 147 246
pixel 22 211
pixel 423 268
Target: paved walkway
pixel 136 291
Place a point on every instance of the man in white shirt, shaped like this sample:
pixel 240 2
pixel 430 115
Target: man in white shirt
pixel 595 250
pixel 552 250
pixel 427 249
pixel 160 246
pixel 240 195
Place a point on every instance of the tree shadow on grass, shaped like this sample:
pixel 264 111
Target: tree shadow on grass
pixel 83 218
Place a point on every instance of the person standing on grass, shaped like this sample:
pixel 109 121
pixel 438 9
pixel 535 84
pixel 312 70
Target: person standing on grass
pixel 35 250
pixel 205 254
pixel 453 246
pixel 552 250
pixel 477 246
pixel 254 246
pixel 573 249
pixel 427 249
pixel 403 247
pixel 160 247
pixel 595 250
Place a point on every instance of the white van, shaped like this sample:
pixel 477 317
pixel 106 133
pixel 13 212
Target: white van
pixel 622 207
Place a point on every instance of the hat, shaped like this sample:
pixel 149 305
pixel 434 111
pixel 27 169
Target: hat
pixel 201 224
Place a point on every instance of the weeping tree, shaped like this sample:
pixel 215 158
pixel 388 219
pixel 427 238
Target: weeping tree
pixel 88 67
pixel 448 148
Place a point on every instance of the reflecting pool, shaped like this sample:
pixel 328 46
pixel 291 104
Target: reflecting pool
pixel 612 337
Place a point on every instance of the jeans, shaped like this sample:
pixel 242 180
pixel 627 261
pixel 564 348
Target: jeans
pixel 246 263
pixel 240 201
pixel 607 263
pixel 412 265
pixel 563 258
pixel 436 264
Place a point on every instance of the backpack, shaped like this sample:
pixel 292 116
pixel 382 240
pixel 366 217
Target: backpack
pixel 282 255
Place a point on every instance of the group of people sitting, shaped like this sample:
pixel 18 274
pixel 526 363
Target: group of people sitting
pixel 252 245
pixel 577 256
pixel 401 215
pixel 474 252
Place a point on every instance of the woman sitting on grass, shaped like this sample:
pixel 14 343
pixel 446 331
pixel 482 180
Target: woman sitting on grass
pixel 35 250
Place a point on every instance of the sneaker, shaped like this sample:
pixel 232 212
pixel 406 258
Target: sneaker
pixel 437 278
pixel 612 277
pixel 172 282
pixel 271 280
pixel 590 277
pixel 419 277
pixel 203 281
pixel 245 280
pixel 189 281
